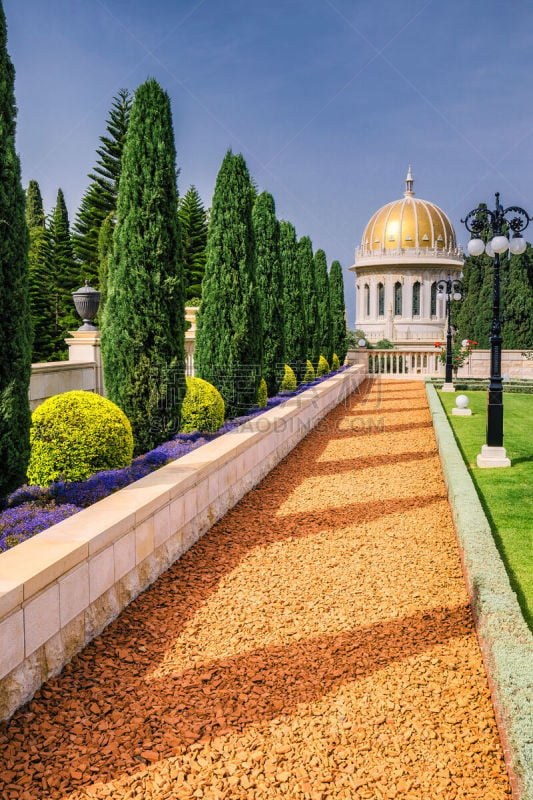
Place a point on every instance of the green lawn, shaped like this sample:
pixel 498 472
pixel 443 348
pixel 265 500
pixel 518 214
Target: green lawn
pixel 506 493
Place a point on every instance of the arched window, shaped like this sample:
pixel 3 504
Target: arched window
pixel 367 300
pixel 398 299
pixel 416 299
pixel 381 300
pixel 434 299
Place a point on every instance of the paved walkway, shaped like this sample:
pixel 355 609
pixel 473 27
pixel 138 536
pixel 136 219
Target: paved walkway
pixel 317 643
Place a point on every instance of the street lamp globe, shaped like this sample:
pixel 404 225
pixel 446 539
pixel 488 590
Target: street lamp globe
pixel 517 245
pixel 488 250
pixel 500 244
pixel 475 247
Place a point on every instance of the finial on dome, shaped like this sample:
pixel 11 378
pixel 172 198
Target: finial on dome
pixel 409 184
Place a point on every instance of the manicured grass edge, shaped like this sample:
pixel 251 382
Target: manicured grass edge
pixel 505 640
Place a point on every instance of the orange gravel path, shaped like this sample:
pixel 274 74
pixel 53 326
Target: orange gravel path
pixel 316 644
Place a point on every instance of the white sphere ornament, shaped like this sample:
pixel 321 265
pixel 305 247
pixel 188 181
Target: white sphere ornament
pixel 361 343
pixel 461 401
pixel 517 245
pixel 457 296
pixel 500 244
pixel 475 247
pixel 488 250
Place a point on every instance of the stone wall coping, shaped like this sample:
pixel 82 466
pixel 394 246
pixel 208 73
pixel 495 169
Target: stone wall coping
pixel 61 366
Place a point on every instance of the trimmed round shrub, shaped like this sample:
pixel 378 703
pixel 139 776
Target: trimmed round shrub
pixel 288 384
pixel 262 394
pixel 202 408
pixel 75 434
pixel 322 367
pixel 309 372
pixel 335 363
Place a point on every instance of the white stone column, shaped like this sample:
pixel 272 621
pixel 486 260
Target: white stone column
pixel 84 346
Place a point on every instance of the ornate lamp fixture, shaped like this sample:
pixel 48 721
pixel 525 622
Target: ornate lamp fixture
pixel 496 222
pixel 452 290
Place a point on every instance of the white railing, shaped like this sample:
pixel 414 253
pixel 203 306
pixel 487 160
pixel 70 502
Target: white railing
pixel 364 251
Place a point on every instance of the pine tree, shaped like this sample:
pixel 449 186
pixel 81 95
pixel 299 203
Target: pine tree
pixel 517 302
pixel 40 283
pixel 15 342
pixel 143 325
pixel 100 199
pixel 306 266
pixel 66 277
pixel 338 311
pixel 324 327
pixel 294 333
pixel 228 346
pixel 193 223
pixel 228 339
pixel 269 282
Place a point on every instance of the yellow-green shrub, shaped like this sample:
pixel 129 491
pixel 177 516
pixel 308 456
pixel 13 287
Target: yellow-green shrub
pixel 322 367
pixel 75 434
pixel 288 384
pixel 335 363
pixel 309 372
pixel 262 394
pixel 202 408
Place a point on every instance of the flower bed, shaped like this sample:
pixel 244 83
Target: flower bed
pixel 32 509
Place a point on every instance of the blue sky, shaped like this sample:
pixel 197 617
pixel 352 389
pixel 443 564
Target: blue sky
pixel 328 100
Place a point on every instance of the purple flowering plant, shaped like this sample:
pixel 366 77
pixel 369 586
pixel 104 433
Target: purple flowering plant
pixel 32 509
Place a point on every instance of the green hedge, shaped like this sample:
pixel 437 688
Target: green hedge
pixel 75 434
pixel 203 407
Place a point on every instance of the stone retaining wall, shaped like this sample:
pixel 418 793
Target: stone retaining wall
pixel 61 588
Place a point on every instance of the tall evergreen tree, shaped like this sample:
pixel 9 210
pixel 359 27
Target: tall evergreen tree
pixel 66 277
pixel 15 342
pixel 269 282
pixel 100 199
pixel 324 327
pixel 34 206
pixel 105 249
pixel 228 339
pixel 193 224
pixel 517 302
pixel 294 333
pixel 143 325
pixel 470 324
pixel 309 297
pixel 40 279
pixel 338 311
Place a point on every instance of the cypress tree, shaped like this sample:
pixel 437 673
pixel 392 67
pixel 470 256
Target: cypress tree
pixel 34 206
pixel 469 324
pixel 105 248
pixel 15 342
pixel 40 281
pixel 338 311
pixel 324 327
pixel 228 339
pixel 293 313
pixel 306 266
pixel 517 302
pixel 269 282
pixel 193 224
pixel 66 277
pixel 143 325
pixel 100 199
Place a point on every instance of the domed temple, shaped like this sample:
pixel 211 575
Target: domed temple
pixel 407 247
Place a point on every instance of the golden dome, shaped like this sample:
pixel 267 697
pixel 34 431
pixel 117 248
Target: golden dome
pixel 406 224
